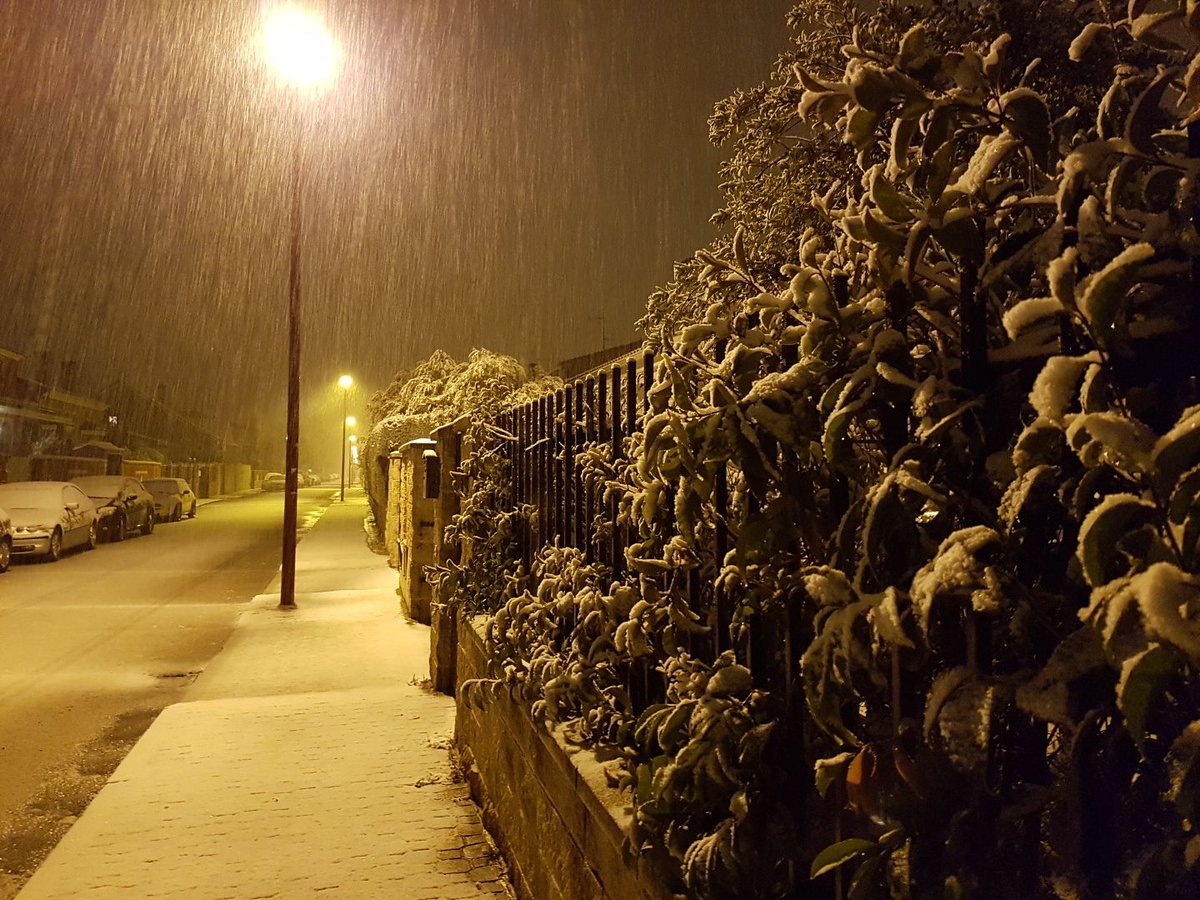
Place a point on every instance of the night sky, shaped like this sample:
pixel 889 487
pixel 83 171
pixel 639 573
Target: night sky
pixel 512 174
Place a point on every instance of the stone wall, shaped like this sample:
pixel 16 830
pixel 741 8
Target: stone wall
pixel 562 829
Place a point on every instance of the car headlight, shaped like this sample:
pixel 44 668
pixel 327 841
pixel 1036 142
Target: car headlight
pixel 32 529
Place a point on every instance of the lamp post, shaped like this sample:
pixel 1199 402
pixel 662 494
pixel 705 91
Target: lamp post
pixel 347 422
pixel 344 383
pixel 304 55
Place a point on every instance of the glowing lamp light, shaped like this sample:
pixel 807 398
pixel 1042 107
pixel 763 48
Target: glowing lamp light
pixel 345 381
pixel 300 48
pixel 351 421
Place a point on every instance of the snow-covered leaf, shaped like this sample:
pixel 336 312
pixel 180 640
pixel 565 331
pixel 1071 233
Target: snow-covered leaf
pixel 1124 442
pixel 1028 117
pixel 1166 599
pixel 1104 292
pixel 1056 386
pixel 1142 679
pixel 958 717
pixel 1034 312
pixel 888 200
pixel 1183 771
pixel 1048 694
pixel 1140 126
pixel 1178 450
pixel 830 770
pixel 1101 530
pixel 1083 41
pixel 836 855
pixel 962 566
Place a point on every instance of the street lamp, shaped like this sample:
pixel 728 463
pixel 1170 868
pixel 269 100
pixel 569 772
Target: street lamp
pixel 344 383
pixel 304 55
pixel 348 422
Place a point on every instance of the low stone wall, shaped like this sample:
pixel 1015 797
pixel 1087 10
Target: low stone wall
pixel 562 829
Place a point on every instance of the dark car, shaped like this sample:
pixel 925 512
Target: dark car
pixel 173 498
pixel 6 540
pixel 124 504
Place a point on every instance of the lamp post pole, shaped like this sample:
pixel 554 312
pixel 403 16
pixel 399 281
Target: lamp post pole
pixel 304 55
pixel 343 470
pixel 287 581
pixel 344 383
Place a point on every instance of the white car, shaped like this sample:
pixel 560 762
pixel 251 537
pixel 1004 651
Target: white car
pixel 274 481
pixel 173 498
pixel 49 517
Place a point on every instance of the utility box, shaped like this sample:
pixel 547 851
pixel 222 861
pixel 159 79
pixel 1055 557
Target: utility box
pixel 411 532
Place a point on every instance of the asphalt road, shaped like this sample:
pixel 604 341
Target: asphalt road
pixel 94 646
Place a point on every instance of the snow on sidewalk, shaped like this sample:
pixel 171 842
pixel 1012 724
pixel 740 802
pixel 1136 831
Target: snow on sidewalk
pixel 304 763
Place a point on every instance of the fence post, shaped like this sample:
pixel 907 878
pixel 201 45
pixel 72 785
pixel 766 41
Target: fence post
pixel 602 437
pixel 589 438
pixel 569 516
pixel 616 535
pixel 580 500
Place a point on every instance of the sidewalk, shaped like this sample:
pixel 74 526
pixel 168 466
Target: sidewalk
pixel 306 760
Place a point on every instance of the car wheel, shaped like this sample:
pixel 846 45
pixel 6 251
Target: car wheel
pixel 54 554
pixel 148 525
pixel 116 530
pixel 177 512
pixel 93 538
pixel 5 553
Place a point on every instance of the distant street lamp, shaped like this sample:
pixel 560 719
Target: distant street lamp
pixel 305 56
pixel 344 383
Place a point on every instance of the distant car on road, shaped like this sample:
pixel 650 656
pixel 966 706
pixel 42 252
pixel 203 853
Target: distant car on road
pixel 124 504
pixel 274 481
pixel 173 499
pixel 49 517
pixel 6 539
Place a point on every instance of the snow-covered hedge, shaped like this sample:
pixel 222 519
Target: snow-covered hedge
pixel 959 428
pixel 435 393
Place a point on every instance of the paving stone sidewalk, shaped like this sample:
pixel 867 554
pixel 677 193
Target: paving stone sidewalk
pixel 307 761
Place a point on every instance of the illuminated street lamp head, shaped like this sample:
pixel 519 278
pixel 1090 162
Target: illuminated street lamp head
pixel 300 48
pixel 345 381
pixel 354 438
pixel 351 421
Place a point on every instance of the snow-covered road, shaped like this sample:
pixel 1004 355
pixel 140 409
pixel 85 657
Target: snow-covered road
pixel 96 644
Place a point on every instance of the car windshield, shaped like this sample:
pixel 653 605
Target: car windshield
pixel 101 485
pixel 162 486
pixel 14 496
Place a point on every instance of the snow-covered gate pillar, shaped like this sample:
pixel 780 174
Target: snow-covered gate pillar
pixel 413 491
pixel 452 448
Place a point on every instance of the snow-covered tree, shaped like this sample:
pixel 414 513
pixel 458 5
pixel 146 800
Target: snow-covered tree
pixel 434 393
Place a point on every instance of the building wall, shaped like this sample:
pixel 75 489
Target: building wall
pixel 141 468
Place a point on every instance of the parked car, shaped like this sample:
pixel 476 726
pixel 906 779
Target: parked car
pixel 6 539
pixel 274 481
pixel 49 517
pixel 173 499
pixel 124 504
